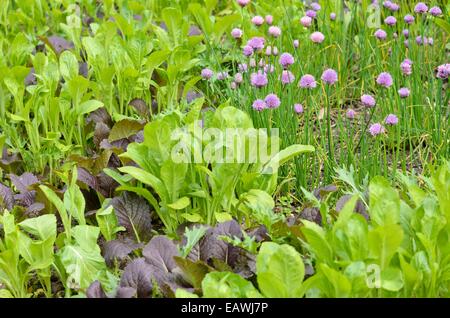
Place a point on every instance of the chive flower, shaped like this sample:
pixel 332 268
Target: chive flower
pixel 385 80
pixel 272 101
pixel 403 92
pixel 311 13
pixel 258 20
pixel 317 37
pixel 236 33
pixel 207 73
pixel 380 34
pixel 391 120
pixel 247 50
pixel 350 114
pixel 256 43
pixel 421 8
pixel 390 20
pixel 307 81
pixel 306 21
pixel 258 79
pixel 298 108
pixel 376 129
pixel 315 6
pixel 287 77
pixel 286 60
pixel 275 31
pixel 243 3
pixel 329 76
pixel 222 76
pixel 259 105
pixel 443 71
pixel 435 11
pixel 368 101
pixel 409 19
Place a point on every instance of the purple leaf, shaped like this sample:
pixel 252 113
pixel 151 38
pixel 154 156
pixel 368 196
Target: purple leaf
pixel 133 212
pixel 95 290
pixel 137 275
pixel 118 249
pixel 24 181
pixel 6 196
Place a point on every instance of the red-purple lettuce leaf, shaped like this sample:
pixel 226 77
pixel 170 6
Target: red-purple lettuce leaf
pixel 23 182
pixel 6 197
pixel 95 290
pixel 138 276
pixel 133 213
pixel 119 250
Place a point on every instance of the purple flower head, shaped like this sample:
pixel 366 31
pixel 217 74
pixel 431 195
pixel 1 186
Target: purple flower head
pixel 307 81
pixel 275 31
pixel 275 51
pixel 258 20
pixel 258 79
pixel 261 63
pixel 233 85
pixel 269 19
pixel 269 68
pixel 238 78
pixel 243 3
pixel 296 43
pixel 403 92
pixel 272 101
pixel 252 63
pixel 311 13
pixel 287 77
pixel 222 76
pixel 443 71
pixel 406 67
pixel 405 33
pixel 298 108
pixel 306 21
pixel 421 40
pixel 409 19
pixel 329 76
pixel 243 67
pixel 207 73
pixel 390 20
pixel 408 61
pixel 435 11
pixel 430 41
pixel 248 50
pixel 380 34
pixel 332 16
pixel 286 60
pixel 317 37
pixel 387 4
pixel 385 80
pixel 259 105
pixel 406 43
pixel 315 6
pixel 236 33
pixel 394 7
pixel 269 50
pixel 350 114
pixel 257 43
pixel 421 8
pixel 368 101
pixel 376 129
pixel 391 120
